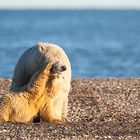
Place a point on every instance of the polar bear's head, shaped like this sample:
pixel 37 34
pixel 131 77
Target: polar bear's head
pixel 54 54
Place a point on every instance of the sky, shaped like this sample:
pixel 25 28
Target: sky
pixel 44 4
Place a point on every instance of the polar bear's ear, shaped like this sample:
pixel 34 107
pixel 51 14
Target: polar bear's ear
pixel 42 49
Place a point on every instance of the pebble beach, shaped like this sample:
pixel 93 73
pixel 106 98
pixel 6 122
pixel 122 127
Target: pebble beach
pixel 98 109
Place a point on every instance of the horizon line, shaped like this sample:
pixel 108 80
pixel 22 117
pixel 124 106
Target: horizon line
pixel 69 8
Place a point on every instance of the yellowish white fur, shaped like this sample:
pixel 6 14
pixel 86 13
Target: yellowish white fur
pixel 55 97
pixel 23 106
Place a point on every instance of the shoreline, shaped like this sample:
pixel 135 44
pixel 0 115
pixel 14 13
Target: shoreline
pixel 104 108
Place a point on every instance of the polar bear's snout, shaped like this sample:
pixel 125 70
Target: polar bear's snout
pixel 63 68
pixel 58 68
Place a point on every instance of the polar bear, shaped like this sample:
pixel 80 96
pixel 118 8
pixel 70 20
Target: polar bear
pixel 30 62
pixel 23 106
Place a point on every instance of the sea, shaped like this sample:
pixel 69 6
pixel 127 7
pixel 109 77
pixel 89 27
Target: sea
pixel 99 43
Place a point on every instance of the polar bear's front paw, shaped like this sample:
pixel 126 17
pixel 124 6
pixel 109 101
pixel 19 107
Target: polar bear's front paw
pixel 47 68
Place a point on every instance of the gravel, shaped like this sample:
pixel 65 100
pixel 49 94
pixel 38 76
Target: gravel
pixel 102 109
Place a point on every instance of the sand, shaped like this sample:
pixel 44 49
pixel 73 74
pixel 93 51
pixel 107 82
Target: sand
pixel 98 109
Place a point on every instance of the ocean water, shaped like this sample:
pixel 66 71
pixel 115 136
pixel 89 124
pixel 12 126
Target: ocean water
pixel 99 43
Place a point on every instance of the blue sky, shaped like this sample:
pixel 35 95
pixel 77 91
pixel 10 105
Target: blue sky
pixel 134 4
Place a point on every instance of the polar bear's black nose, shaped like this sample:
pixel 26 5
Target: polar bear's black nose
pixel 63 68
